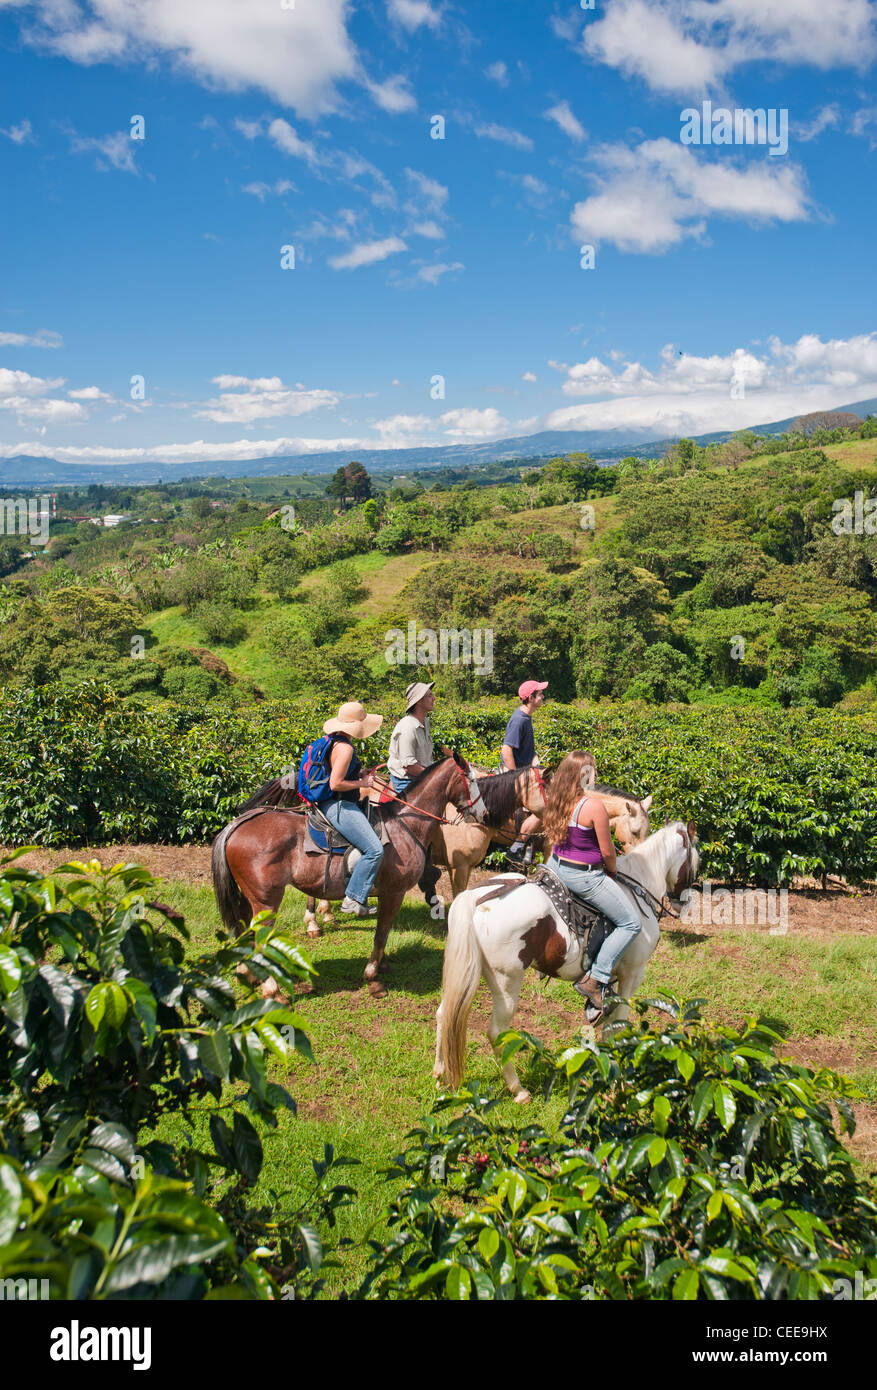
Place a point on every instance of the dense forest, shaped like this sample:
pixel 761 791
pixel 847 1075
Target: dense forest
pixel 742 572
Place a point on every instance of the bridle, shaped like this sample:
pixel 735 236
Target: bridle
pixel 388 793
pixel 658 905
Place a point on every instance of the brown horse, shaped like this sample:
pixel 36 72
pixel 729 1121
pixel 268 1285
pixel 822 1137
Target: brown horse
pixel 261 852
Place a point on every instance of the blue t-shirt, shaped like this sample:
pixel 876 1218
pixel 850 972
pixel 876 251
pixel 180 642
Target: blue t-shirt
pixel 519 737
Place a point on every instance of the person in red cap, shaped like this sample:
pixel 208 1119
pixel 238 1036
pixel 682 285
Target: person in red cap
pixel 519 750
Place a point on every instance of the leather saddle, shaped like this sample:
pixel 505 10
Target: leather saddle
pixel 323 838
pixel 589 926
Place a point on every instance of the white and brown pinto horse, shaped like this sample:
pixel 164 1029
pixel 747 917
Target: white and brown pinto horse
pixel 497 930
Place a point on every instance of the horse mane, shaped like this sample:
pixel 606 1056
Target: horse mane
pixel 272 793
pixel 498 792
pixel 393 808
pixel 616 791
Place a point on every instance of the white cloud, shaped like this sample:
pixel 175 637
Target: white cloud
pixel 432 193
pixel 367 253
pixel 28 398
pixel 429 229
pixel 691 394
pixel 411 14
pixel 114 151
pixel 403 431
pixel 249 129
pixel 431 274
pixel 43 338
pixel 245 399
pixel 474 424
pixel 654 196
pixel 90 393
pixel 282 134
pixel 194 451
pixel 506 136
pixel 263 190
pixel 828 116
pixel 21 134
pixel 562 114
pixel 499 73
pixel 529 376
pixel 393 95
pixel 687 47
pixel 297 55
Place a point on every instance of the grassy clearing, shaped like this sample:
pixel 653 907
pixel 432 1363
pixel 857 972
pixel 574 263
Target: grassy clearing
pixel 373 1073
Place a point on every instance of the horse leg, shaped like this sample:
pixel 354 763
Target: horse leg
pixel 313 927
pixel 388 906
pixel 270 988
pixel 505 987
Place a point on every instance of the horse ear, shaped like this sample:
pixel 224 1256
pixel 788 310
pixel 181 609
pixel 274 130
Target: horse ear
pixel 646 802
pixel 692 829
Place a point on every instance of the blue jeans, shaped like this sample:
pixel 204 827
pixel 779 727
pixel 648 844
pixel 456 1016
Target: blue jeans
pixel 607 896
pixel 400 784
pixel 354 826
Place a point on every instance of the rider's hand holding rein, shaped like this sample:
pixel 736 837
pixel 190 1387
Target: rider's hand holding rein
pixel 339 761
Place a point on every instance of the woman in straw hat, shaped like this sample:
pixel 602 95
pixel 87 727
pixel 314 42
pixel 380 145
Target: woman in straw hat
pixel 346 785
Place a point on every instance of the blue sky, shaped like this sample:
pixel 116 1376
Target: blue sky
pixel 730 285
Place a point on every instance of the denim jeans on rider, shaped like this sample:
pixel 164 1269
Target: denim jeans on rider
pixel 400 784
pixel 354 826
pixel 607 896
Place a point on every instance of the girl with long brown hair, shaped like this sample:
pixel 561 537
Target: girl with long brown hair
pixel 577 825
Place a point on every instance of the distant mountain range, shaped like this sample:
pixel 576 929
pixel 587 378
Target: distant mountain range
pixel 23 470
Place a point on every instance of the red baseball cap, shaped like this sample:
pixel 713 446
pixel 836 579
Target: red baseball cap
pixel 530 687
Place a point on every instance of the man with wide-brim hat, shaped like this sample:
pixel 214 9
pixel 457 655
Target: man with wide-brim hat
pixel 346 784
pixel 411 752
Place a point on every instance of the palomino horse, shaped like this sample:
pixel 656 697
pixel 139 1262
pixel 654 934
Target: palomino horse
pixel 262 851
pixel 499 928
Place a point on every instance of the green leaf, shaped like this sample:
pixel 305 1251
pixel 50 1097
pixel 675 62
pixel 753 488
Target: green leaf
pixel 725 1105
pixel 247 1147
pixel 657 1150
pixel 10 968
pixel 488 1243
pixel 10 1200
pixel 214 1052
pixel 703 1098
pixel 686 1285
pixel 458 1285
pixel 686 1064
pixel 313 1246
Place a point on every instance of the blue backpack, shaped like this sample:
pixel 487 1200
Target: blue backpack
pixel 313 774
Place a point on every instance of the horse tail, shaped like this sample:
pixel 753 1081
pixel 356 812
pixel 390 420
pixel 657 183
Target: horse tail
pixel 460 978
pixel 233 906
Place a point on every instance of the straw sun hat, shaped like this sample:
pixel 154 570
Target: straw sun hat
pixel 353 720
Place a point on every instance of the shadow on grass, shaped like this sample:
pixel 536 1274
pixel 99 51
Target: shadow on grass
pixel 412 971
pixel 681 939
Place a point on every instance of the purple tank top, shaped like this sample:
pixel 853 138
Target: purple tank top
pixel 581 844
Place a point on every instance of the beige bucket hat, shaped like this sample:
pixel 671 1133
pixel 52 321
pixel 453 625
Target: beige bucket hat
pixel 352 719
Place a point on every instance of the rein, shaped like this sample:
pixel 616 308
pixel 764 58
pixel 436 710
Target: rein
pixel 386 791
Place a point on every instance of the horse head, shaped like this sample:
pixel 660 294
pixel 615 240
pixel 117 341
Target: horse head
pixel 465 794
pixel 631 822
pixel 683 860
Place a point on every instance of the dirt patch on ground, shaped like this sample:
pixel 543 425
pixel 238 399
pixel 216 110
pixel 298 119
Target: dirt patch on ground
pixel 188 862
pixel 807 910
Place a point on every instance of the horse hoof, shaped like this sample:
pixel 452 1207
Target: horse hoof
pixel 376 989
pixel 522 1097
pixel 314 930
